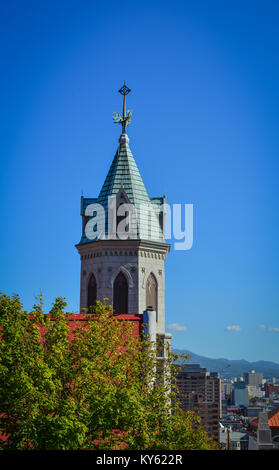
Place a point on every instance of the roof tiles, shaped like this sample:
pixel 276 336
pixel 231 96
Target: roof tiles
pixel 124 173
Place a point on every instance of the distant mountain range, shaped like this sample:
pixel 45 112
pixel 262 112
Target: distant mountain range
pixel 232 368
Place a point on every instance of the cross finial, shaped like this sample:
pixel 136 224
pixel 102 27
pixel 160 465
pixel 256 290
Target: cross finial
pixel 124 90
pixel 124 120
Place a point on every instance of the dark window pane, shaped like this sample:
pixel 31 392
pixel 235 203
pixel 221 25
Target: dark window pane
pixel 120 294
pixel 92 291
pixel 151 293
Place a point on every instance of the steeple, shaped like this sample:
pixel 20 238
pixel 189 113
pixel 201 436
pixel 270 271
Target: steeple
pixel 124 174
pixel 129 271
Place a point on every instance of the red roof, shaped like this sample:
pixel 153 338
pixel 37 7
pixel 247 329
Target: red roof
pixel 76 320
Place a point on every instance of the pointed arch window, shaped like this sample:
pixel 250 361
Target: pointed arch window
pixel 119 219
pixel 91 291
pixel 120 294
pixel 152 293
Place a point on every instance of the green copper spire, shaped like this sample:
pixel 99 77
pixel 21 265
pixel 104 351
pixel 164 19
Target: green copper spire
pixel 124 174
pixel 124 120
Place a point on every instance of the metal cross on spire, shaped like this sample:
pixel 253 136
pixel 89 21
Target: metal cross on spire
pixel 124 120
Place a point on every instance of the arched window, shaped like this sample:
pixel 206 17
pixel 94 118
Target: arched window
pixel 91 291
pixel 119 219
pixel 120 294
pixel 151 293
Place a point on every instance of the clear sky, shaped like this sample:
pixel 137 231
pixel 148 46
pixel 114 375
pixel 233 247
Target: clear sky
pixel 205 80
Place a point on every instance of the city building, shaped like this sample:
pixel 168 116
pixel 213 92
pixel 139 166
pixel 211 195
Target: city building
pixel 255 392
pixel 227 387
pixel 200 391
pixel 234 440
pixel 253 411
pixel 253 378
pixel 240 394
pixel 224 407
pixel 271 389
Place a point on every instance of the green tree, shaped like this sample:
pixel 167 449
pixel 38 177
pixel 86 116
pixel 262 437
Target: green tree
pixel 94 387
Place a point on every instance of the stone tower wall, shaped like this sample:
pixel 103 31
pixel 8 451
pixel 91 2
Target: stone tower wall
pixel 136 259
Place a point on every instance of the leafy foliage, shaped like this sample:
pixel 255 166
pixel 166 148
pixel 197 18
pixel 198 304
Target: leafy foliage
pixel 96 387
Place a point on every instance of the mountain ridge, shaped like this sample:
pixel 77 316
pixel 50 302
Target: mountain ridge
pixel 232 367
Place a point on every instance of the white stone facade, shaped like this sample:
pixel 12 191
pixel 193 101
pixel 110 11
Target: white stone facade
pixel 136 259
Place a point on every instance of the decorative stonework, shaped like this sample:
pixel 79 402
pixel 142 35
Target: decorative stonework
pixel 125 271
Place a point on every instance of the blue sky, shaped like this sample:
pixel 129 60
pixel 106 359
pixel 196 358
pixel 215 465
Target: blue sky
pixel 204 79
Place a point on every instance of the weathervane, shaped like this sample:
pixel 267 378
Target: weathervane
pixel 124 120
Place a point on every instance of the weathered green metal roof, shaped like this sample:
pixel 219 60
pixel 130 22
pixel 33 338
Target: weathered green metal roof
pixel 124 173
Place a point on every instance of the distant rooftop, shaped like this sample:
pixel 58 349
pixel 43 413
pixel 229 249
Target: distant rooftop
pixel 196 368
pixel 235 436
pixel 193 368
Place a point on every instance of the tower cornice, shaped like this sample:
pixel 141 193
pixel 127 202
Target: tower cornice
pixel 148 245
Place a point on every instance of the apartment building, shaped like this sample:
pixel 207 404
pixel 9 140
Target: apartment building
pixel 200 391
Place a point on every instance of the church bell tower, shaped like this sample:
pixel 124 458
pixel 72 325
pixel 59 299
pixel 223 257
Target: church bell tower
pixel 126 266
